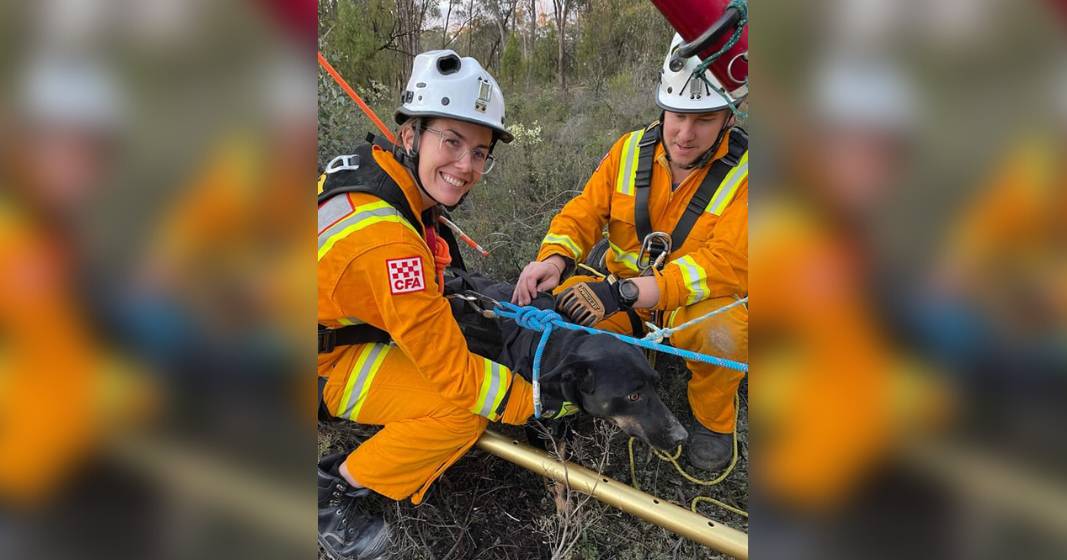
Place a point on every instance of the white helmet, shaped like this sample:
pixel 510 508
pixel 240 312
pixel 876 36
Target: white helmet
pixel 681 92
pixel 444 85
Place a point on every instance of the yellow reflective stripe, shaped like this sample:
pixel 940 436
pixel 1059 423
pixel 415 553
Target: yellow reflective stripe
pixel 363 216
pixel 322 182
pixel 624 183
pixel 624 258
pixel 696 279
pixel 492 390
pixel 728 188
pixel 566 241
pixel 348 321
pixel 360 379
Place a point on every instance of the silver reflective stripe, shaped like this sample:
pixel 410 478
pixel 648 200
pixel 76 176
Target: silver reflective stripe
pixel 367 364
pixel 695 278
pixel 491 395
pixel 334 209
pixel 354 219
pixel 565 240
pixel 631 152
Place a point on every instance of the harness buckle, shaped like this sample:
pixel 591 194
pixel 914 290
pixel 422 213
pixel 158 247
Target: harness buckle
pixel 327 340
pixel 342 163
pixel 654 250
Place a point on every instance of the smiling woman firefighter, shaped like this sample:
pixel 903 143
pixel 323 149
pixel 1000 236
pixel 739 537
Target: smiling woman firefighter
pixel 390 352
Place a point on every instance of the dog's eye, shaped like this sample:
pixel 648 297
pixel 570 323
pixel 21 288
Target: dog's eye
pixel 634 396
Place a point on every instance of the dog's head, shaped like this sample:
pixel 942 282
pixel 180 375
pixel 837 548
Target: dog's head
pixel 611 379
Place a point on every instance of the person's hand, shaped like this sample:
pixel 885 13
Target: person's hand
pixel 538 276
pixel 588 303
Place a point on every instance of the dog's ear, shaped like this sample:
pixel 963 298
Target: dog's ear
pixel 565 370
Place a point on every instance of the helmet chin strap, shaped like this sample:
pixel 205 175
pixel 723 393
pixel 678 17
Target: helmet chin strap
pixel 411 160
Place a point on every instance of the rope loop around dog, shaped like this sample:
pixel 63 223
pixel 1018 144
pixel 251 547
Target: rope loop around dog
pixel 545 320
pixel 541 319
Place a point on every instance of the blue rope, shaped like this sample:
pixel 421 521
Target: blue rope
pixel 545 320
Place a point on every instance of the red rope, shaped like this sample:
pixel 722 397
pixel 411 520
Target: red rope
pixel 355 97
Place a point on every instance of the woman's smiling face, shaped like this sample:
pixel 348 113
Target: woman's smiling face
pixel 452 155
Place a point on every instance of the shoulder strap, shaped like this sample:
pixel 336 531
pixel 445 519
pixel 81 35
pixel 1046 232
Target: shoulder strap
pixel 702 197
pixel 362 174
pixel 643 180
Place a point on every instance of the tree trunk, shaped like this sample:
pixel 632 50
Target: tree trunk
pixel 444 32
pixel 560 8
pixel 533 39
pixel 470 29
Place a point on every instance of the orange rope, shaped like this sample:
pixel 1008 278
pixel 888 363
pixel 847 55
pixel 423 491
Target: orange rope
pixel 355 97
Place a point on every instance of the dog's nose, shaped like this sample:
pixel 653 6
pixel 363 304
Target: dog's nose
pixel 678 434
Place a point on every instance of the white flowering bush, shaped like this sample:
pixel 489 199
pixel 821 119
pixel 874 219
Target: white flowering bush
pixel 526 135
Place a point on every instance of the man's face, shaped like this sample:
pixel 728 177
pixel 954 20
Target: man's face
pixel 688 135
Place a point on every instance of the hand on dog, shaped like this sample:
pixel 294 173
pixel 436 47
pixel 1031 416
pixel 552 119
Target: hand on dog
pixel 588 303
pixel 538 276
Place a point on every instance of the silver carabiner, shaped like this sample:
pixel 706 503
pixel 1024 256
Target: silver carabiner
pixel 654 250
pixel 476 301
pixel 342 163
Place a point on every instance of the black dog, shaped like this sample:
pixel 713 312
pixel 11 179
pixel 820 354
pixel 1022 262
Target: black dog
pixel 601 374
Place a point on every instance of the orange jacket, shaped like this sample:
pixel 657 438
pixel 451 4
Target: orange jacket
pixel 375 268
pixel 713 261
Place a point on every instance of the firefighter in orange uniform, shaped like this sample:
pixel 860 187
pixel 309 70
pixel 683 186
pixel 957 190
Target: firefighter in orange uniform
pixel 380 264
pixel 674 197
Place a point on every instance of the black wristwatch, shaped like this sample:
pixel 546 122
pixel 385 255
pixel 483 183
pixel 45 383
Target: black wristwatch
pixel 628 293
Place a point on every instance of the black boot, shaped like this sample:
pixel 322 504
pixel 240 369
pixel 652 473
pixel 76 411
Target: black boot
pixel 707 449
pixel 346 530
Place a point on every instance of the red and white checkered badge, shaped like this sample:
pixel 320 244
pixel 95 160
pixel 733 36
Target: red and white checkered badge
pixel 405 275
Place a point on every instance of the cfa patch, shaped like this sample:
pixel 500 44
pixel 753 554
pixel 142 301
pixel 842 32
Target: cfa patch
pixel 405 275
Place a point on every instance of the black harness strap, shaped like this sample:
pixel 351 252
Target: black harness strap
pixel 371 179
pixel 702 196
pixel 347 336
pixel 643 180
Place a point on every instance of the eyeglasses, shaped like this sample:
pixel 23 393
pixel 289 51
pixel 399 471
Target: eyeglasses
pixel 481 159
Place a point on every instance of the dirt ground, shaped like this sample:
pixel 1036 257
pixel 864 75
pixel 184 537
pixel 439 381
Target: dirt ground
pixel 487 508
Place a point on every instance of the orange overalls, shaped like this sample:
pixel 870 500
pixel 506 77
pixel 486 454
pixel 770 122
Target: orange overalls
pixel 432 395
pixel 708 271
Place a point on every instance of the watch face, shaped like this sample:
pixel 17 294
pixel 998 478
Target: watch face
pixel 628 290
